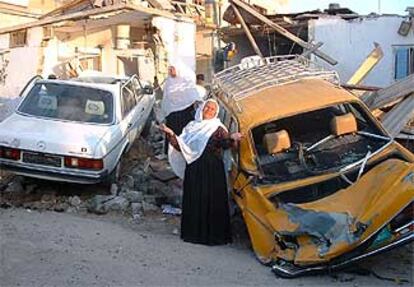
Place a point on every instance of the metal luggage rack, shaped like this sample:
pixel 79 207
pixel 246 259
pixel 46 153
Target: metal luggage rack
pixel 257 74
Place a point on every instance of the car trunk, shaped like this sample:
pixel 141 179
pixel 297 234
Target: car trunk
pixel 52 136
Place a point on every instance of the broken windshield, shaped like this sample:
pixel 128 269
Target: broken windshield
pixel 316 142
pixel 69 103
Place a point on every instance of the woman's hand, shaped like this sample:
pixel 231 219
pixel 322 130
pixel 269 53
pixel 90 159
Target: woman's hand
pixel 166 130
pixel 236 137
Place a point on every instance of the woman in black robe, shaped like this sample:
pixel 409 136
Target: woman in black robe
pixel 180 97
pixel 205 217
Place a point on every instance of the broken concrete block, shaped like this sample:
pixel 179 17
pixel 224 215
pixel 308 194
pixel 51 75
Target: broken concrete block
pixel 114 189
pixel 117 203
pixel 31 188
pixel 14 187
pixel 75 201
pixel 129 182
pixel 133 196
pixel 97 204
pixel 149 207
pixel 136 208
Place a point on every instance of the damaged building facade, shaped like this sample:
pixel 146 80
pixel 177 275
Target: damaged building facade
pixel 340 32
pixel 116 38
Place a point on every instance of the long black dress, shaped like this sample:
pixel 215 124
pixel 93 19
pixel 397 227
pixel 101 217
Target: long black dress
pixel 205 216
pixel 177 121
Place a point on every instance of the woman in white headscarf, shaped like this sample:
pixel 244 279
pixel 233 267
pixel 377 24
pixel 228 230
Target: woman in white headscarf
pixel 179 95
pixel 196 156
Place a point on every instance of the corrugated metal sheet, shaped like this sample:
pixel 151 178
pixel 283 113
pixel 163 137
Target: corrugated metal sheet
pixel 396 119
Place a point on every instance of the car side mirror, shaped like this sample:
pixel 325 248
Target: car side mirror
pixel 147 90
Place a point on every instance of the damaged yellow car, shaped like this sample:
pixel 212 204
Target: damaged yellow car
pixel 318 180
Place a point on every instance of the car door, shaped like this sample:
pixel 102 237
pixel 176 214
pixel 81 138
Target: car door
pixel 230 157
pixel 140 111
pixel 128 104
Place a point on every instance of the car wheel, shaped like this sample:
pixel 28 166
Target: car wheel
pixel 113 177
pixel 147 127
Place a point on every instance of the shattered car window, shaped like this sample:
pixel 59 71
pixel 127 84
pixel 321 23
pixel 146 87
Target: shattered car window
pixel 314 147
pixel 69 103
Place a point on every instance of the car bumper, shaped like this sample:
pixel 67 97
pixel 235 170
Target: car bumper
pixel 289 270
pixel 55 174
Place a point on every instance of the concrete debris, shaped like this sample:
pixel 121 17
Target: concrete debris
pixel 164 175
pixel 75 201
pixel 30 188
pixel 15 187
pixel 102 204
pixel 133 196
pixel 97 204
pixel 117 203
pixel 149 207
pixel 61 207
pixel 136 208
pixel 114 189
pixel 129 182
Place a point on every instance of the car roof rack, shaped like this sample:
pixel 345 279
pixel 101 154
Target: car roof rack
pixel 254 74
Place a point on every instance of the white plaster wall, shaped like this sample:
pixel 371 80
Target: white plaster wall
pixel 179 40
pixel 23 63
pixel 349 42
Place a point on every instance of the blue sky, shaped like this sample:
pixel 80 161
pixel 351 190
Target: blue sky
pixel 359 6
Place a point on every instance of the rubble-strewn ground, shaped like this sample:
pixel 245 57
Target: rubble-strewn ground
pixel 54 234
pixel 62 249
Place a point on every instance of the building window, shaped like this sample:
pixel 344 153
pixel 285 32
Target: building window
pixel 18 38
pixel 404 61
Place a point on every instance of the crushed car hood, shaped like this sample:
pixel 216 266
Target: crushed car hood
pixel 50 136
pixel 336 224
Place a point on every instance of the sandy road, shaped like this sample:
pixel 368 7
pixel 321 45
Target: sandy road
pixel 62 249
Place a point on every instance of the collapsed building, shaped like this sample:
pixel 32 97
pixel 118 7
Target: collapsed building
pixel 340 32
pixel 341 40
pixel 114 37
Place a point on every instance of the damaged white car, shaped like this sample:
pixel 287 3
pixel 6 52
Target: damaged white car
pixel 75 130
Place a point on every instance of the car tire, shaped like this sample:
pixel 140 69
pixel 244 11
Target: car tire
pixel 113 177
pixel 147 127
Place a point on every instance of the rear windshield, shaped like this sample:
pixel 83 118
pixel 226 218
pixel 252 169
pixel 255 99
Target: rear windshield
pixel 69 103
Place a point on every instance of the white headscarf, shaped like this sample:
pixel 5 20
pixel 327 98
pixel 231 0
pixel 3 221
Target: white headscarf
pixel 180 91
pixel 193 140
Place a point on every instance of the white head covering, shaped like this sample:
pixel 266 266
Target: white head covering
pixel 193 140
pixel 180 91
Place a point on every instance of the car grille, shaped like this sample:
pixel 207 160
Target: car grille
pixel 43 159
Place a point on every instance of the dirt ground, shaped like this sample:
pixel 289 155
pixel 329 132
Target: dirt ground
pixel 63 249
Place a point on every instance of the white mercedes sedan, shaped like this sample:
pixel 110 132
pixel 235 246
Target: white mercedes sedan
pixel 75 130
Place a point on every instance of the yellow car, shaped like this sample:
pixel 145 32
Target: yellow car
pixel 318 180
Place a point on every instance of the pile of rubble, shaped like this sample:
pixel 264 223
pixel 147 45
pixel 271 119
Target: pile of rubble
pixel 147 185
pixel 394 106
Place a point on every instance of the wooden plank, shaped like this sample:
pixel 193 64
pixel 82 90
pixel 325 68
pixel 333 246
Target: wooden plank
pixel 395 120
pixel 316 47
pixel 387 95
pixel 370 62
pixel 97 11
pixel 283 31
pixel 161 4
pixel 247 31
pixel 360 87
